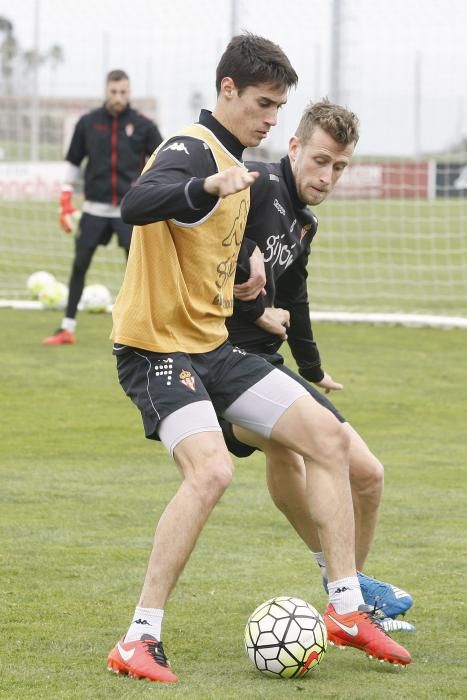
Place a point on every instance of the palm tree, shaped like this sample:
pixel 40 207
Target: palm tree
pixel 55 55
pixel 9 49
pixel 11 53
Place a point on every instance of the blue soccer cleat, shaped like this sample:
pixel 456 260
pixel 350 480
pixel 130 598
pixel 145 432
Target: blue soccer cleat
pixel 390 625
pixel 383 596
pixel 389 599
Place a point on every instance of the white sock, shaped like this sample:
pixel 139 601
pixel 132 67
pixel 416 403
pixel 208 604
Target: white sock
pixel 345 594
pixel 68 324
pixel 145 621
pixel 319 557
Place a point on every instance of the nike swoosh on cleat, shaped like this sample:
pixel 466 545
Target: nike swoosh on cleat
pixel 126 655
pixel 353 631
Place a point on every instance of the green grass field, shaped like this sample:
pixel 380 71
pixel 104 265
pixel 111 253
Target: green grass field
pixel 82 491
pixel 369 255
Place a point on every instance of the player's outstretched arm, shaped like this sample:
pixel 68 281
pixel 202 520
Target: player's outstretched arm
pixel 230 181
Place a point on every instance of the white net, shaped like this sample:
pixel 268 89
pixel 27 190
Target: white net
pixel 392 240
pixel 391 254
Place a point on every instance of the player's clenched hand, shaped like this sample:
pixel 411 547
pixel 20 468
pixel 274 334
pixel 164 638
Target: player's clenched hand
pixel 230 181
pixel 328 384
pixel 255 283
pixel 66 210
pixel 274 321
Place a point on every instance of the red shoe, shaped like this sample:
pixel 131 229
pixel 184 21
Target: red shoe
pixel 358 629
pixel 60 337
pixel 144 658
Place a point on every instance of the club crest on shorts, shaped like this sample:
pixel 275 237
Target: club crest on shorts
pixel 187 379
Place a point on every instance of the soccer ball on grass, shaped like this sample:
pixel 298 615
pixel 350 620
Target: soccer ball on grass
pixel 38 281
pixel 285 637
pixel 54 295
pixel 96 298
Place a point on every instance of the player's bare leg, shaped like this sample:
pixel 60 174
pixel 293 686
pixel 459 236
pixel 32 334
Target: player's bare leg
pixel 314 433
pixel 305 428
pixel 367 481
pixel 286 479
pixel 323 497
pixel 206 469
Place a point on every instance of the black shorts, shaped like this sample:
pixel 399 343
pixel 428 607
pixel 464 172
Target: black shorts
pixel 98 230
pixel 239 449
pixel 160 384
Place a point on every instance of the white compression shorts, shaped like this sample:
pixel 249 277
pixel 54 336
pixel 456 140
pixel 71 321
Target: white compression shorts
pixel 258 409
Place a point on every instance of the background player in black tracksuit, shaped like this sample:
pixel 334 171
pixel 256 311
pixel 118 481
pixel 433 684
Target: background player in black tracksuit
pixel 116 140
pixel 281 224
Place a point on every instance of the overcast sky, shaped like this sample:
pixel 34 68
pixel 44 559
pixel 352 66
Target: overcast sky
pixel 403 63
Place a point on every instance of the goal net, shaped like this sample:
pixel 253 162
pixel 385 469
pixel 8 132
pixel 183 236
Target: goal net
pixel 392 239
pixel 392 243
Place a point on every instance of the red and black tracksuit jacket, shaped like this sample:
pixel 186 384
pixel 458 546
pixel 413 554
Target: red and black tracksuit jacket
pixel 116 149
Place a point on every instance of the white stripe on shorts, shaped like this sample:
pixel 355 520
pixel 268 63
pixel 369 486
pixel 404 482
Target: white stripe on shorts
pixel 259 408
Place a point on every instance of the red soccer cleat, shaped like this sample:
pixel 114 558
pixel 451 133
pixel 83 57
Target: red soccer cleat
pixel 358 629
pixel 144 658
pixel 60 337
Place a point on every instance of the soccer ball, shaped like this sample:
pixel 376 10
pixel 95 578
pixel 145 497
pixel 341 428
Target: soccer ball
pixel 37 281
pixel 96 298
pixel 54 295
pixel 285 637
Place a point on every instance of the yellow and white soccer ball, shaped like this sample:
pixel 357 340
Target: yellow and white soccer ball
pixel 285 637
pixel 38 281
pixel 54 295
pixel 96 298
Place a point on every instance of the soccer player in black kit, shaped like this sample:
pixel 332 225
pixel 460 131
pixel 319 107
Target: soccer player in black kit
pixel 283 226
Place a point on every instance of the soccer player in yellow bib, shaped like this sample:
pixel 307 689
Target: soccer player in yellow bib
pixel 174 361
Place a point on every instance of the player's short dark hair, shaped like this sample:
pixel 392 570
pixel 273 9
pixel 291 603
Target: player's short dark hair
pixel 115 75
pixel 251 60
pixel 337 121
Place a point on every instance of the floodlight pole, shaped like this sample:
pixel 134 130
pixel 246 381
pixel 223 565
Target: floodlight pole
pixel 35 116
pixel 417 104
pixel 317 62
pixel 233 17
pixel 336 38
pixel 105 52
